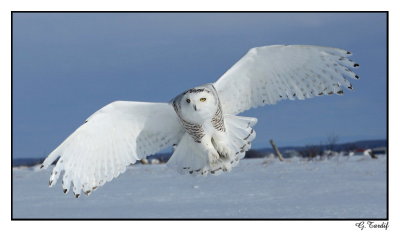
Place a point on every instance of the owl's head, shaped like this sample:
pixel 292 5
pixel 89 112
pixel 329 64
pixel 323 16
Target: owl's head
pixel 197 104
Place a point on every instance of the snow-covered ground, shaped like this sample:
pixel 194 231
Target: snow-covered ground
pixel 342 187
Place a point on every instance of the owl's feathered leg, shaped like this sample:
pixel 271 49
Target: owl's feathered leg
pixel 217 153
pixel 212 154
pixel 220 141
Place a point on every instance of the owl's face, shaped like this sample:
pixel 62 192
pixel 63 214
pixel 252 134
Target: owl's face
pixel 197 104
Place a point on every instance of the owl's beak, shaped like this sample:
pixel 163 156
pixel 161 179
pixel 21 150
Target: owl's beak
pixel 194 107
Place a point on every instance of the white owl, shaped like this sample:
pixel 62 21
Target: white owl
pixel 202 121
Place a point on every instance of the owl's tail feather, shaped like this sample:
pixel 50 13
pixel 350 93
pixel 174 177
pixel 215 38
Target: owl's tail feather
pixel 239 135
pixel 190 157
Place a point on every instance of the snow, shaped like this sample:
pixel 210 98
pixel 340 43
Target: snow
pixel 342 187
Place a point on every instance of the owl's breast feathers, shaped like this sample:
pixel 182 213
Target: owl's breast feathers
pixel 193 129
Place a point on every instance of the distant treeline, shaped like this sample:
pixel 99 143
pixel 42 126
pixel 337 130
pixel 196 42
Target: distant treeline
pixel 350 146
pixel 252 153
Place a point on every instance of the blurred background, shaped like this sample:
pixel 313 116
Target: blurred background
pixel 66 66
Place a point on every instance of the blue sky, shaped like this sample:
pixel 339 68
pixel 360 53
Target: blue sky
pixel 68 65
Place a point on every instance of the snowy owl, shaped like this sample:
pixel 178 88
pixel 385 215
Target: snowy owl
pixel 201 122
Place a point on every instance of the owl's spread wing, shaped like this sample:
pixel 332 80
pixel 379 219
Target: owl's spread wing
pixel 112 138
pixel 266 75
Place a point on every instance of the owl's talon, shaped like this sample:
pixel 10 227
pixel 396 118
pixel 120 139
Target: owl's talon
pixel 223 151
pixel 213 158
pixel 222 154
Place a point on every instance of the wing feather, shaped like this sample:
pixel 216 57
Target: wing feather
pixel 266 75
pixel 111 139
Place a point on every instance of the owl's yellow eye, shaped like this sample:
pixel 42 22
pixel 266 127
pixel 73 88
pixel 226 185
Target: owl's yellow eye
pixel 188 100
pixel 203 99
